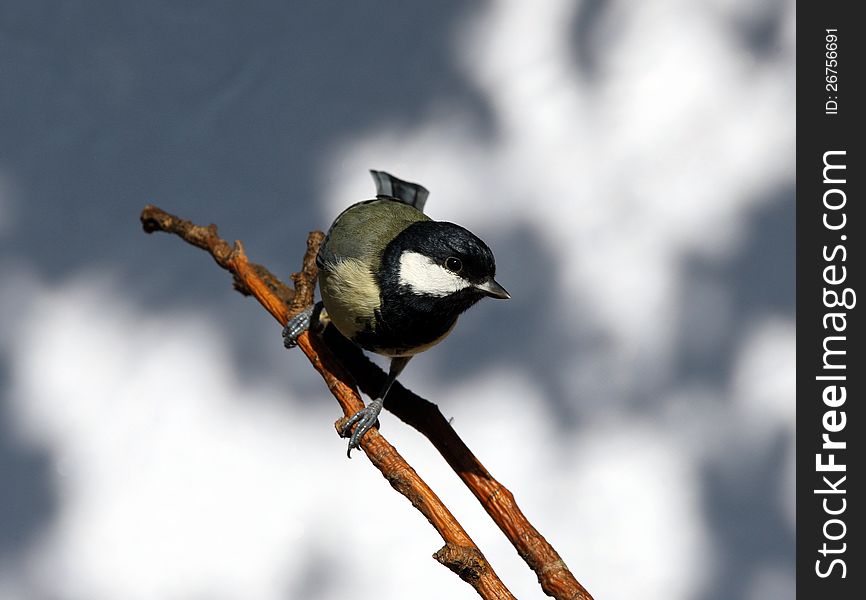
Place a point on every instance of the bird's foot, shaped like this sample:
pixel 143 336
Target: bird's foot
pixel 296 326
pixel 366 418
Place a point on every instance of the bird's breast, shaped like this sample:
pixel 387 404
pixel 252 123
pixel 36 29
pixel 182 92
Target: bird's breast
pixel 393 346
pixel 401 329
pixel 350 295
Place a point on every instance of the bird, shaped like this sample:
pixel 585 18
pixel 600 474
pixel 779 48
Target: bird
pixel 394 281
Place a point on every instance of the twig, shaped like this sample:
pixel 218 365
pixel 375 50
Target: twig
pixel 555 578
pixel 460 554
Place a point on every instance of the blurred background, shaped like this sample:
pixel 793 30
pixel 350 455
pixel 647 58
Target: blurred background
pixel 630 164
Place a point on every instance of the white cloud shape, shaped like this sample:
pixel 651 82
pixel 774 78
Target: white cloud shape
pixel 176 477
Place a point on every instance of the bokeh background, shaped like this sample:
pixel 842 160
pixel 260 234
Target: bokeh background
pixel 630 164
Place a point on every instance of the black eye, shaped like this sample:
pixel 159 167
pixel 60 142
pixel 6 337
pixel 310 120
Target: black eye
pixel 453 264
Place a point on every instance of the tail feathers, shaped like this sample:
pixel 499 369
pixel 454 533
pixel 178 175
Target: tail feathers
pixel 388 186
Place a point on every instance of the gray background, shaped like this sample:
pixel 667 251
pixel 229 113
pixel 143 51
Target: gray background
pixel 619 160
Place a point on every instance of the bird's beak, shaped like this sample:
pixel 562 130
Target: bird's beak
pixel 492 289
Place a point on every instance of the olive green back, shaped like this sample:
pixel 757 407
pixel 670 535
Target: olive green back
pixel 364 229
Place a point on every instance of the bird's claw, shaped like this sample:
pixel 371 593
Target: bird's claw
pixel 296 326
pixel 366 418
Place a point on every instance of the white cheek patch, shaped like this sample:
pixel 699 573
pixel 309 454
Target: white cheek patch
pixel 423 276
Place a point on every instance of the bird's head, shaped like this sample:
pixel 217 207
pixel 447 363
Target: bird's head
pixel 444 263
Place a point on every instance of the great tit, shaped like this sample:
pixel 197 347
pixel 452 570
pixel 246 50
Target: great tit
pixel 394 281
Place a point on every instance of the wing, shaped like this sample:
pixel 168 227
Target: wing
pixel 364 229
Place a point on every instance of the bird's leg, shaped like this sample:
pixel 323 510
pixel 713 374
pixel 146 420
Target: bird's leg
pixel 313 316
pixel 367 417
pixel 398 363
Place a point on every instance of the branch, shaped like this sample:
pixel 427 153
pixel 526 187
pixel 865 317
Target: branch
pixel 553 574
pixel 460 554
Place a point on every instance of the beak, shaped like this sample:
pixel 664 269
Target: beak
pixel 492 289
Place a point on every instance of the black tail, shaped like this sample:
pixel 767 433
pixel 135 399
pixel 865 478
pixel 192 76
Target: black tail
pixel 388 186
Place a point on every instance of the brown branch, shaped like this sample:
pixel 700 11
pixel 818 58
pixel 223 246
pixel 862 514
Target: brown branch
pixel 460 554
pixel 553 574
